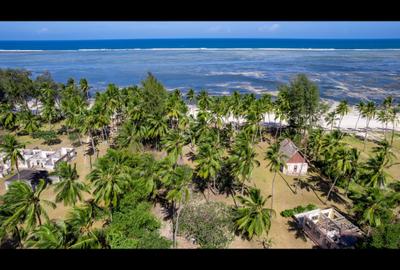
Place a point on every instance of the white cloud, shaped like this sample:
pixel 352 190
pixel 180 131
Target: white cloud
pixel 269 28
pixel 43 30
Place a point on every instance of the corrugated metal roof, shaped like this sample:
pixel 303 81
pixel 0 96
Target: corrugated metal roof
pixel 290 152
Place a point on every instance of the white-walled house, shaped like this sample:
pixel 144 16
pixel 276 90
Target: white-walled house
pixel 38 159
pixel 295 162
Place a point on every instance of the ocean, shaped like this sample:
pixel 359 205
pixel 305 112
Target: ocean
pixel 343 69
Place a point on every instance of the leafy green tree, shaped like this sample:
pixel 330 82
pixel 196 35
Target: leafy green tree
pixel 253 218
pixel 69 189
pixel 191 95
pixel 385 237
pixel 154 96
pixel 29 121
pixel 8 118
pixel 173 143
pixel 303 101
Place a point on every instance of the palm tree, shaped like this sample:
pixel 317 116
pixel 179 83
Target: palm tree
pixel 128 137
pixel 178 193
pixel 52 235
pixel 12 151
pixel 173 143
pixel 375 206
pixel 369 113
pixel 208 162
pixel 342 109
pixel 276 162
pixel 376 171
pixel 81 220
pixel 29 121
pixel 243 158
pixel 190 95
pixel 315 143
pixel 393 119
pixel 158 128
pixel 360 107
pixel 84 85
pixel 383 116
pixel 69 190
pixel 109 180
pixel 8 117
pixel 330 119
pixel 253 218
pixel 204 100
pixel 340 164
pixel 50 113
pixel 26 204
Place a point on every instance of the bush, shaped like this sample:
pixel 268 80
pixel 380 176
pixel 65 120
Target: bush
pixel 49 137
pixel 210 224
pixel 297 210
pixel 135 227
pixel 386 236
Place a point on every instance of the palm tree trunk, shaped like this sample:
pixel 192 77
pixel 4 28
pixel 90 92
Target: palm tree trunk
pixel 330 190
pixel 272 191
pixel 359 115
pixel 386 124
pixel 391 140
pixel 340 122
pixel 177 225
pixel 39 219
pixel 366 134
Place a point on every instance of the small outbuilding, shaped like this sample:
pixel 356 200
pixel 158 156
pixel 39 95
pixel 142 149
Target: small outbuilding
pixel 295 162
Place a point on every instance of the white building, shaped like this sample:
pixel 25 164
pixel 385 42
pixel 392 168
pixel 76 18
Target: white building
pixel 38 159
pixel 329 229
pixel 296 164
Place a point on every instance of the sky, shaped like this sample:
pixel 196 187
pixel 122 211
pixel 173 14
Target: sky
pixel 131 30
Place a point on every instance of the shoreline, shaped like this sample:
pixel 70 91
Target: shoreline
pixel 347 125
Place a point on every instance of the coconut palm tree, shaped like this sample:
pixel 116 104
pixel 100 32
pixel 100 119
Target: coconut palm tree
pixel 360 108
pixel 276 162
pixel 208 162
pixel 383 116
pixel 158 128
pixel 84 85
pixel 26 204
pixel 8 118
pixel 243 158
pixel 69 190
pixel 340 164
pixel 342 110
pixel 369 113
pixel 128 137
pixel 252 218
pixel 203 100
pixel 330 119
pixel 376 175
pixel 29 121
pixel 173 143
pixel 178 193
pixel 374 206
pixel 12 151
pixel 191 96
pixel 315 143
pixel 52 235
pixel 109 179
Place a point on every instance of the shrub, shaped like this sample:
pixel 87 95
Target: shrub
pixel 135 227
pixel 386 236
pixel 297 210
pixel 210 224
pixel 49 137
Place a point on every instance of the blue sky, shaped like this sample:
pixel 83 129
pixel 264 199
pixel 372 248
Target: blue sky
pixel 128 30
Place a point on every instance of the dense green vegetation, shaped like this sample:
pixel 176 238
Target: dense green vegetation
pixel 139 120
pixel 297 210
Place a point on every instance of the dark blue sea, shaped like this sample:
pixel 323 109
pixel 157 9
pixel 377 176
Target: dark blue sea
pixel 351 69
